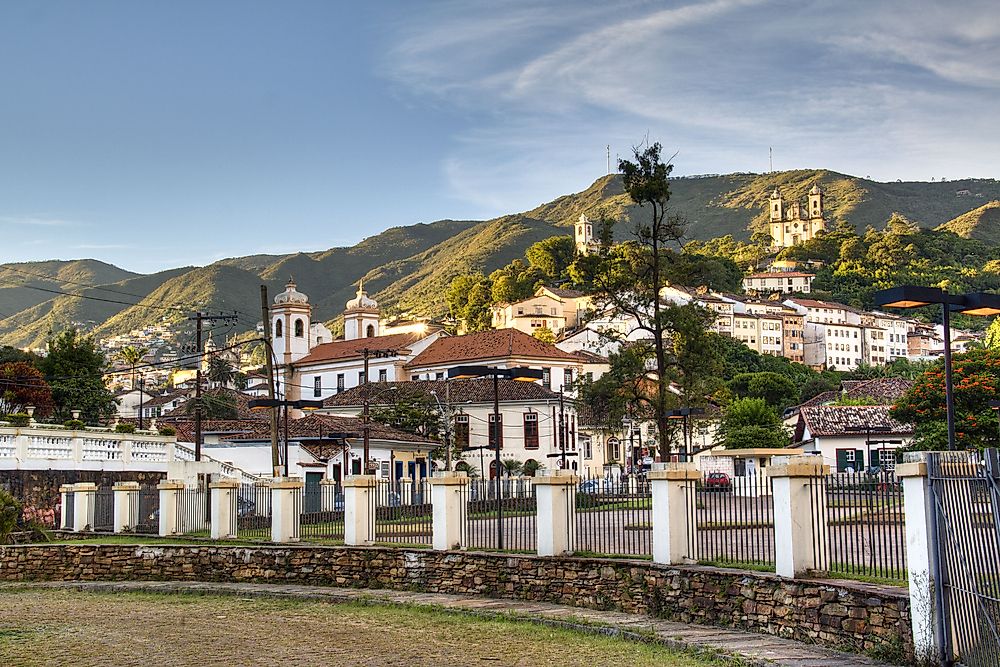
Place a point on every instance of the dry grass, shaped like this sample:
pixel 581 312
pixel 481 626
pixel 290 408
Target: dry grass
pixel 50 627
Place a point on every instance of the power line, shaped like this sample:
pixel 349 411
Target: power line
pixel 97 298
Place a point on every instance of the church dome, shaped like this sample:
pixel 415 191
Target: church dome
pixel 815 190
pixel 362 300
pixel 291 295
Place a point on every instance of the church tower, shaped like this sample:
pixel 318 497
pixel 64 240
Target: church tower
pixel 816 204
pixel 361 317
pixel 584 236
pixel 291 317
pixel 776 207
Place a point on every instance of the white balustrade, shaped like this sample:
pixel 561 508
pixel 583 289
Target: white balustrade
pixel 150 450
pixel 101 449
pixel 50 447
pixel 8 447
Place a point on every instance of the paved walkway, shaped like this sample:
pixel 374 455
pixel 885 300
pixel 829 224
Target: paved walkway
pixel 756 649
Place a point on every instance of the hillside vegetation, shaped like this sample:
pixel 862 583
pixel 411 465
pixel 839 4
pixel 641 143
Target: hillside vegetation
pixel 409 268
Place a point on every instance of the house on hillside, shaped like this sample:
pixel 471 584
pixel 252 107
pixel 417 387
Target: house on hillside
pixel 555 308
pixel 852 437
pixel 782 282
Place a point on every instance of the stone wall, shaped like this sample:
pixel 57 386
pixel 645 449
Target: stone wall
pixel 38 490
pixel 845 615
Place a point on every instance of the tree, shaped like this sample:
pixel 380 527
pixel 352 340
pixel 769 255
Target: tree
pixel 544 334
pixel 21 385
pixel 220 372
pixel 215 404
pixel 469 298
pixel 74 367
pixel 413 411
pixel 9 354
pixel 976 380
pixel 552 256
pixel 512 467
pixel 514 282
pixel 777 390
pixel 132 355
pixel 675 346
pixel 751 422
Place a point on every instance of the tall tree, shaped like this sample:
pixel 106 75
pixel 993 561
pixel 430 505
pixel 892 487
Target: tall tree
pixel 132 355
pixel 469 299
pixel 552 256
pixel 21 385
pixel 74 367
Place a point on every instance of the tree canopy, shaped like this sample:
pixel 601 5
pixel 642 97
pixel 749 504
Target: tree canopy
pixel 21 385
pixel 751 422
pixel 74 367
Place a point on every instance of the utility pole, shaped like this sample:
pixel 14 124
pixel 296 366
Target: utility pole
pixel 609 159
pixel 200 317
pixel 269 355
pixel 367 354
pixel 562 429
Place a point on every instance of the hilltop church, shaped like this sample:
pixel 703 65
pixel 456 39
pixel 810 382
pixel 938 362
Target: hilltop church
pixel 790 225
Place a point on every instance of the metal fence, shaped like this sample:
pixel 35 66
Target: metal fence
pixel 67 510
pixel 501 518
pixel 104 510
pixel 147 500
pixel 403 512
pixel 322 516
pixel 193 512
pixel 614 517
pixel 866 532
pixel 735 520
pixel 253 512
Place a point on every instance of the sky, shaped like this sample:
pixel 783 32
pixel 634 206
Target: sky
pixel 157 135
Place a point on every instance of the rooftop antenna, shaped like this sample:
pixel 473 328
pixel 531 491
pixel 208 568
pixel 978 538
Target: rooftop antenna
pixel 609 159
pixel 770 159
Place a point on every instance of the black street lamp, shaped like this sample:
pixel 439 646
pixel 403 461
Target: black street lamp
pixel 906 297
pixel 271 403
pixel 684 414
pixel 521 374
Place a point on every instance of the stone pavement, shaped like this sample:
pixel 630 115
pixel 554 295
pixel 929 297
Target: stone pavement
pixel 746 647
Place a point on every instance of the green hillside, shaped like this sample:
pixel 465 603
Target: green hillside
pixel 982 223
pixel 408 268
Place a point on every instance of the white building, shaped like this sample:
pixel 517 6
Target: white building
pixel 852 437
pixel 554 308
pixel 781 282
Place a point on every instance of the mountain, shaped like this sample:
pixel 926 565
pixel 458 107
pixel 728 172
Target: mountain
pixel 981 223
pixel 408 268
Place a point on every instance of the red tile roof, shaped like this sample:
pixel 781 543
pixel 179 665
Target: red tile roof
pixel 489 345
pixel 354 349
pixel 783 274
pixel 848 420
pixel 461 391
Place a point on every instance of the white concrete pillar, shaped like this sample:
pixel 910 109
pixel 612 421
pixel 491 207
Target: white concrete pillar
pixel 84 494
pixel 672 487
pixel 359 520
pixel 222 499
pixel 800 521
pixel 556 520
pixel 286 508
pixel 77 446
pixel 65 520
pixel 920 557
pixel 126 512
pixel 405 491
pixel 169 489
pixel 449 494
pixel 328 495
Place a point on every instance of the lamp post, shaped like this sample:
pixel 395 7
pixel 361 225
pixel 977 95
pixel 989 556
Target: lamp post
pixel 270 404
pixel 683 414
pixel 142 391
pixel 520 374
pixel 906 297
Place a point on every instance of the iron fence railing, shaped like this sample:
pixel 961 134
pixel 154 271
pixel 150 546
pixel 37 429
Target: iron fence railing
pixel 68 511
pixel 193 512
pixel 322 517
pixel 403 512
pixel 614 517
pixel 253 512
pixel 104 510
pixel 735 520
pixel 507 524
pixel 866 530
pixel 147 502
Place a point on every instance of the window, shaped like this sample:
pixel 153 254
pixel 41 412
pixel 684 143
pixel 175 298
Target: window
pixel 887 459
pixel 494 430
pixel 361 377
pixel 340 382
pixel 547 378
pixel 370 331
pixel 277 329
pixel 317 386
pixel 439 375
pixel 462 430
pixel 567 377
pixel 588 449
pixel 383 375
pixel 531 430
pixel 299 329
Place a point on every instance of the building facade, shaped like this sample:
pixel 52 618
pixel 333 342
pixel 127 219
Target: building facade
pixel 789 224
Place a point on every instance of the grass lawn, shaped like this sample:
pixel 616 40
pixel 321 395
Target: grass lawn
pixel 50 627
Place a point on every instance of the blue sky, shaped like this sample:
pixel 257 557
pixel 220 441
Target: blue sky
pixel 154 135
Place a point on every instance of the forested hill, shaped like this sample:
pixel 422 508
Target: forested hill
pixel 409 268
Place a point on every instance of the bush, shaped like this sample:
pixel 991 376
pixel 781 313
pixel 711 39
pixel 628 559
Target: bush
pixel 124 427
pixel 168 430
pixel 10 514
pixel 75 424
pixel 19 419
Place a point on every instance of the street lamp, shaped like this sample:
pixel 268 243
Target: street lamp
pixel 912 296
pixel 684 414
pixel 520 374
pixel 271 403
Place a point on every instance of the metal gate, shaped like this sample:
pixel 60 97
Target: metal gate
pixel 965 493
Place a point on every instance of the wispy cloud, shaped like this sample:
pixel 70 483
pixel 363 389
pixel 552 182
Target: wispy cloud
pixel 33 221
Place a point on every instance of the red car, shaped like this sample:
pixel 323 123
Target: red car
pixel 718 481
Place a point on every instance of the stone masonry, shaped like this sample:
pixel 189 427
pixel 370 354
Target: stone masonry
pixel 839 614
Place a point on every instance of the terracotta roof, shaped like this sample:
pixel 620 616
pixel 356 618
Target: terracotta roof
pixel 461 391
pixel 882 391
pixel 311 426
pixel 163 399
pixel 240 400
pixel 588 357
pixel 833 420
pixel 565 292
pixel 354 349
pixel 783 274
pixel 488 345
pixel 812 303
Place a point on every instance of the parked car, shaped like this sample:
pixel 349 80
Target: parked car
pixel 602 485
pixel 718 481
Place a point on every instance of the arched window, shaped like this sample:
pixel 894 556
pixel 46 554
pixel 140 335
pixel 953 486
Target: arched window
pixel 277 328
pixel 370 331
pixel 299 329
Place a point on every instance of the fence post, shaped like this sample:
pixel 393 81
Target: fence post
pixel 83 506
pixel 672 489
pixel 556 520
pixel 65 519
pixel 405 491
pixel 286 509
pixel 920 555
pixel 328 495
pixel 448 499
pixel 125 515
pixel 223 506
pixel 800 530
pixel 168 505
pixel 358 507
